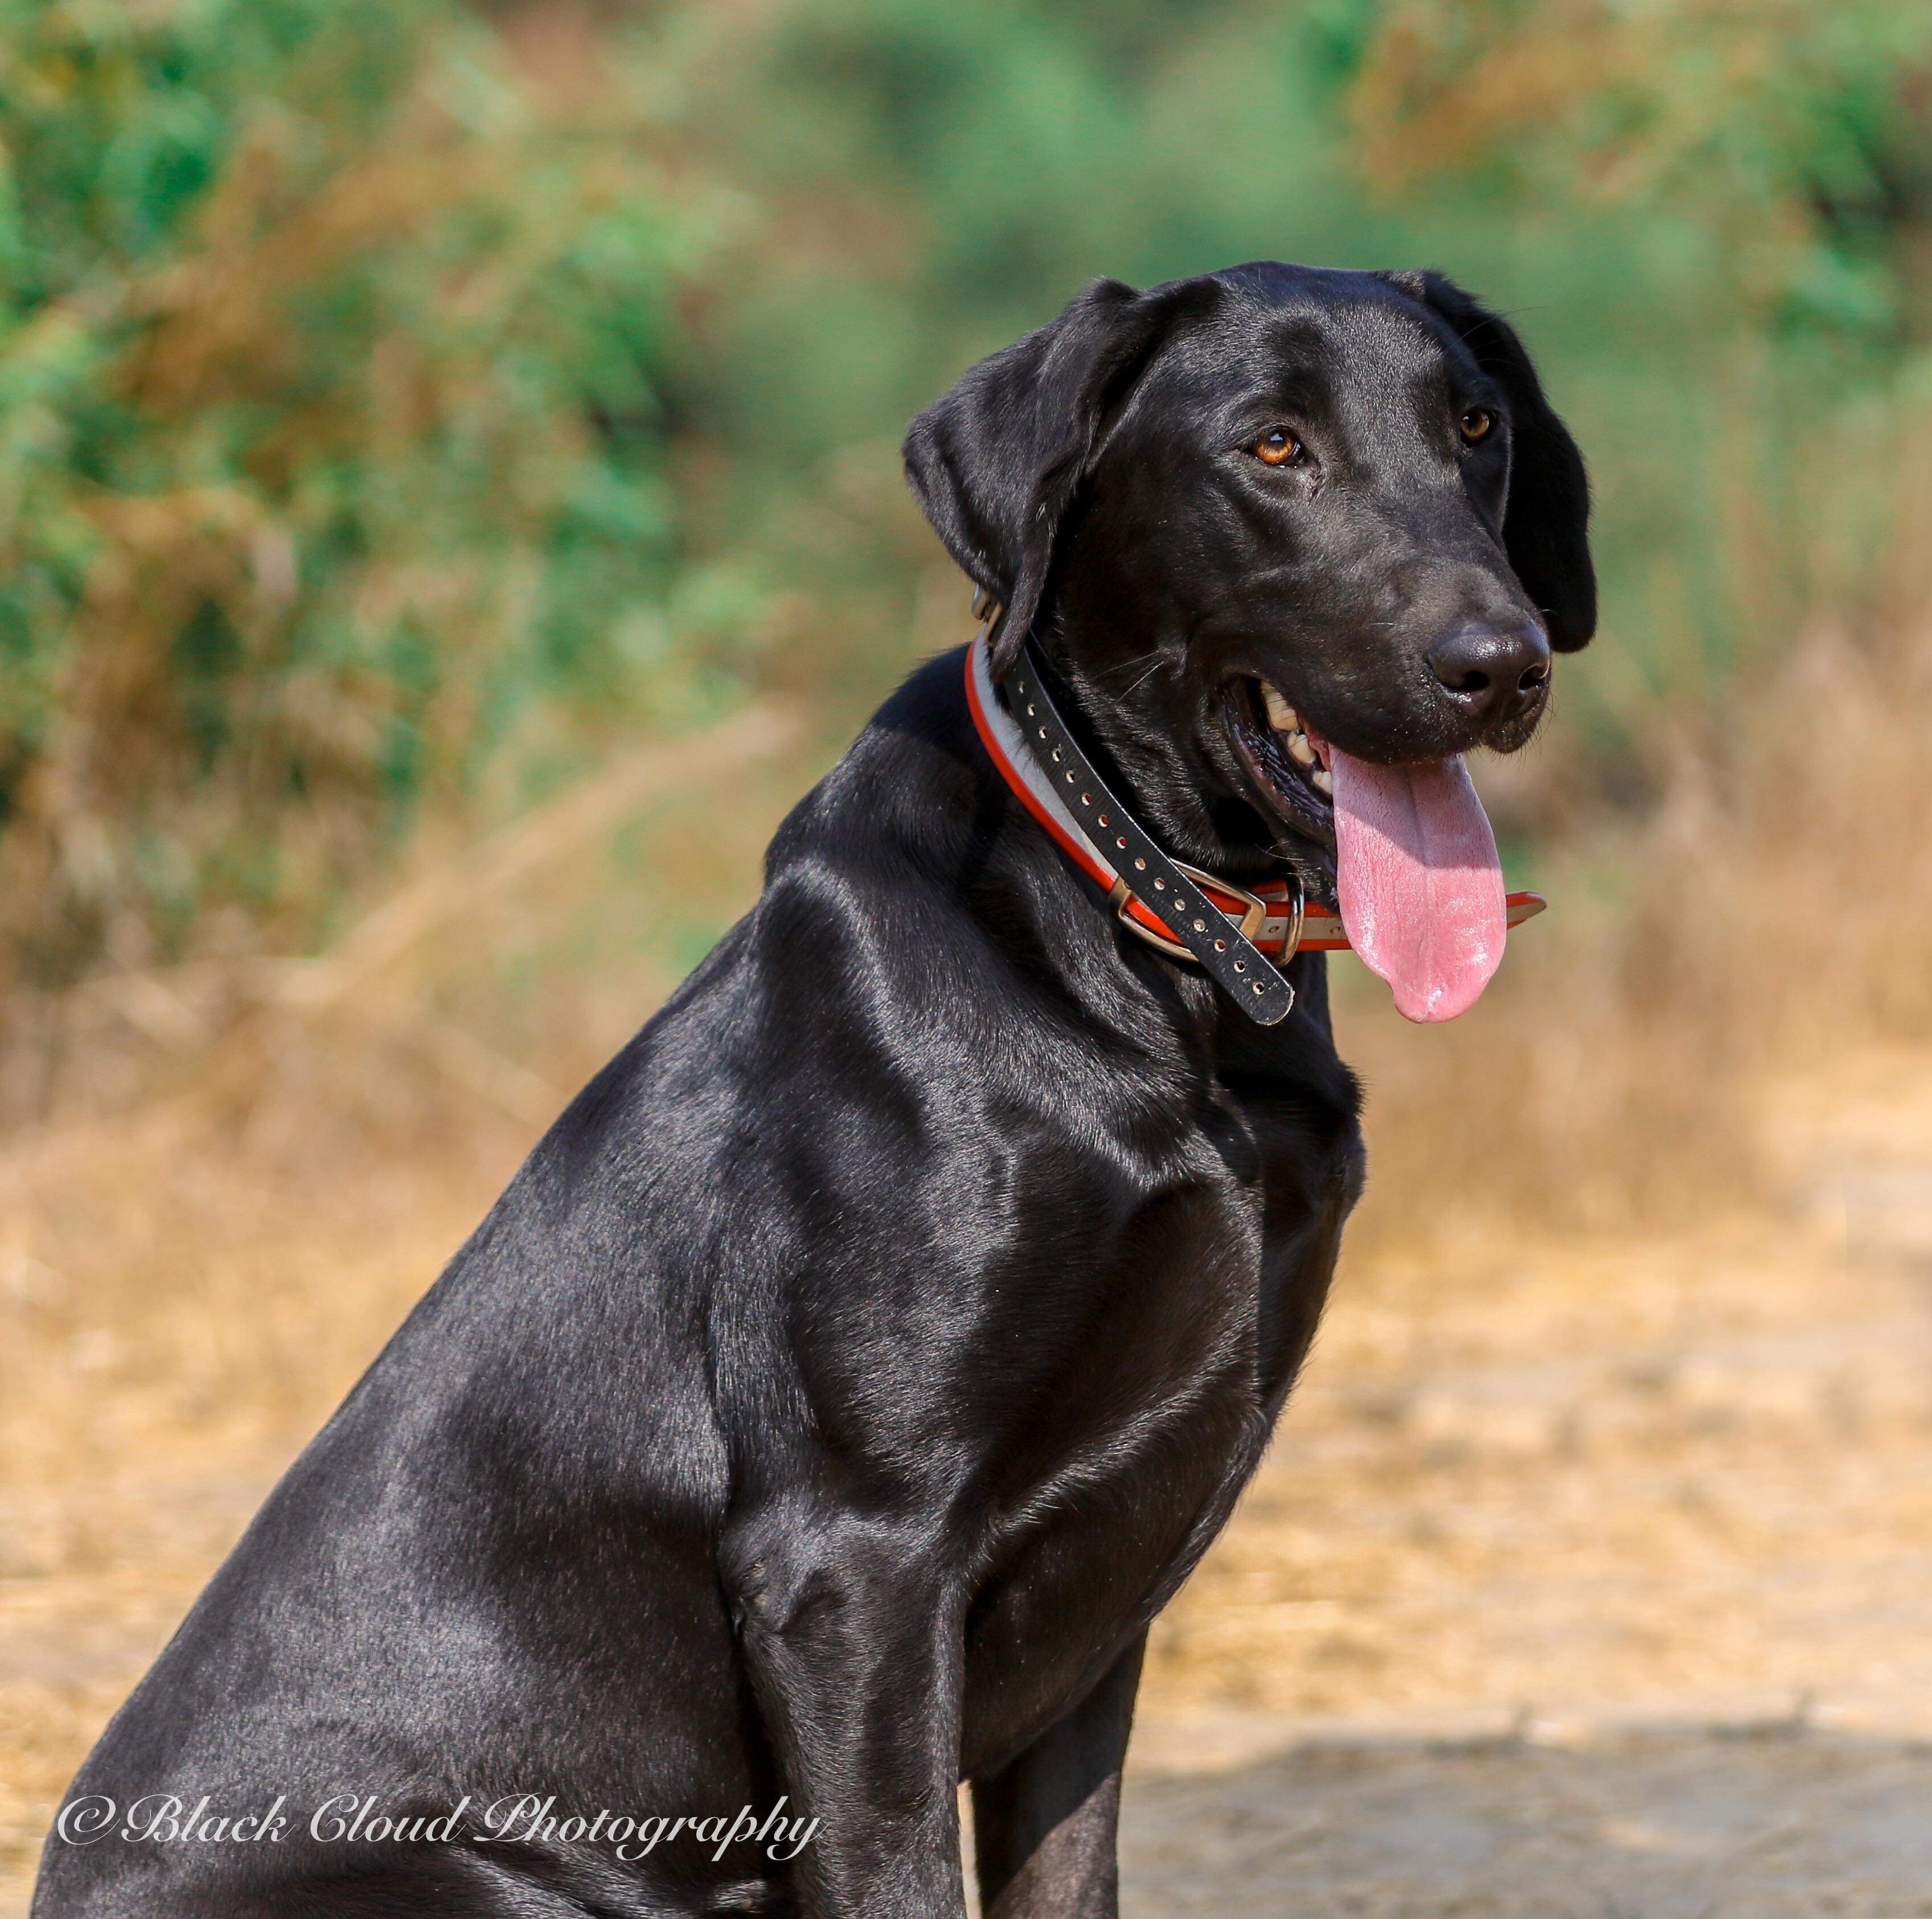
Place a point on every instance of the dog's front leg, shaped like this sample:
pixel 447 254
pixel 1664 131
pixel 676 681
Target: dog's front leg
pixel 852 1630
pixel 1045 1826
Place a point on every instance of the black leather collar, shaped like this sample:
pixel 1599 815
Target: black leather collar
pixel 1169 890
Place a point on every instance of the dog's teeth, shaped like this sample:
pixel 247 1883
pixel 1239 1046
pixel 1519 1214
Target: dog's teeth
pixel 1281 715
pixel 1322 780
pixel 1299 749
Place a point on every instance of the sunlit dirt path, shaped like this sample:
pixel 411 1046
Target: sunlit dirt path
pixel 1591 1580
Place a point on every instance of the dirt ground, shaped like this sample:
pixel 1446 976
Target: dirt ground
pixel 1664 1827
pixel 1589 1579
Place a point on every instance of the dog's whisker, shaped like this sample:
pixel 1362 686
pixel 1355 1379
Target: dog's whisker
pixel 1143 679
pixel 1107 672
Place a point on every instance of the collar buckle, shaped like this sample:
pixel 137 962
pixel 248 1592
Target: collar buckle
pixel 1254 914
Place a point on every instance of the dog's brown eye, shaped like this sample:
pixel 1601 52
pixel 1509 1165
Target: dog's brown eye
pixel 1278 448
pixel 1475 423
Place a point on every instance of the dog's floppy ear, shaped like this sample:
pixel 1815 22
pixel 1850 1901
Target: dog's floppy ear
pixel 996 463
pixel 1546 523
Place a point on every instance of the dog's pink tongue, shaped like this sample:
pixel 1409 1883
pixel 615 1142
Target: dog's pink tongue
pixel 1419 886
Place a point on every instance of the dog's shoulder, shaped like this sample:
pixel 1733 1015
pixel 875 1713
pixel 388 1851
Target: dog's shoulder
pixel 915 775
pixel 900 876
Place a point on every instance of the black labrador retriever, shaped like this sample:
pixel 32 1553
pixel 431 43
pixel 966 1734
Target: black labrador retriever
pixel 870 1351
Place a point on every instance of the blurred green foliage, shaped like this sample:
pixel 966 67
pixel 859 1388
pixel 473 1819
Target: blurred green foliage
pixel 331 450
pixel 395 398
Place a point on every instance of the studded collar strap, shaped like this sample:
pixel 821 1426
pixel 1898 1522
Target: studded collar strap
pixel 1185 912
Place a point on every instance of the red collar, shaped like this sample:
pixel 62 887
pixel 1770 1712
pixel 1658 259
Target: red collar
pixel 1266 913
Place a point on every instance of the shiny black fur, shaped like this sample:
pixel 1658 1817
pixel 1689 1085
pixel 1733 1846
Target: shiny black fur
pixel 867 1353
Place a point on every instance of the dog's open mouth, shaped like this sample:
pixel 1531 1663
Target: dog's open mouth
pixel 1284 763
pixel 1416 880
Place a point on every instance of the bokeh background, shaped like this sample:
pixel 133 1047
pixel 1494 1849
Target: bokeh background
pixel 450 508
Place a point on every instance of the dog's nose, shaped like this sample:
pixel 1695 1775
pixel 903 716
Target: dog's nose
pixel 1493 676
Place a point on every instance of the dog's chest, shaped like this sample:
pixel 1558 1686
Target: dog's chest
pixel 1136 1449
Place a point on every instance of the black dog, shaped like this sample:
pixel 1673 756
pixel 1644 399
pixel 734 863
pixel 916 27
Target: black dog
pixel 870 1351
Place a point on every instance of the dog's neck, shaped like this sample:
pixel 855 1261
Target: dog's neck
pixel 1237 937
pixel 1140 761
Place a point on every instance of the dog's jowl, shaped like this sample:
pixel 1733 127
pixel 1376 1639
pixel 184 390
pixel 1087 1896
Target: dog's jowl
pixel 871 1349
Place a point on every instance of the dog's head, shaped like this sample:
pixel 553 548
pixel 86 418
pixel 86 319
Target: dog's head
pixel 1294 540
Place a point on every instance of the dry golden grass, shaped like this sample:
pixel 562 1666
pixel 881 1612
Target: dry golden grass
pixel 1510 1451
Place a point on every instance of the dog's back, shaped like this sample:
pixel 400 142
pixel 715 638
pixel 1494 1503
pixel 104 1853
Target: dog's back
pixel 494 1570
